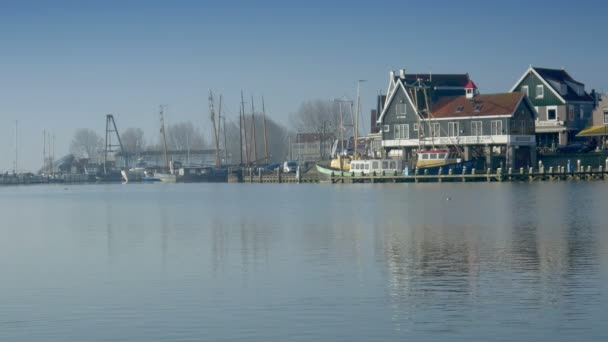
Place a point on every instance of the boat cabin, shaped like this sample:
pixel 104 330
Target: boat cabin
pixel 431 158
pixel 376 165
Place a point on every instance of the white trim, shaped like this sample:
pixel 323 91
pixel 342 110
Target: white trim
pixel 547 108
pixel 536 92
pixel 469 117
pixel 531 69
pixel 527 90
pixel 386 128
pixel 391 100
pixel 522 140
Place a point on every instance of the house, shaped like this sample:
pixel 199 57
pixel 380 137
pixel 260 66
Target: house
pixel 598 130
pixel 422 111
pixel 563 106
pixel 310 147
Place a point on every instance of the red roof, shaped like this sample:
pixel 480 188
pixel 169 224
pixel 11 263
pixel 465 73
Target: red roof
pixel 480 105
pixel 470 85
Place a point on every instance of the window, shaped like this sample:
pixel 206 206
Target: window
pixel 441 156
pixel 605 116
pixel 366 166
pixel 540 91
pixel 476 128
pixel 525 90
pixel 571 113
pixel 387 128
pixel 436 129
pixel 415 127
pixel 453 129
pixel 425 156
pixel 433 155
pixel 393 164
pixel 459 109
pixel 405 131
pixel 582 112
pixel 552 113
pixel 402 131
pixel 374 164
pixel 385 164
pixel 478 107
pixel 496 128
pixel 401 110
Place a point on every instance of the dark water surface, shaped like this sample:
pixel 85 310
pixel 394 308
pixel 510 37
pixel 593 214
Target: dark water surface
pixel 229 262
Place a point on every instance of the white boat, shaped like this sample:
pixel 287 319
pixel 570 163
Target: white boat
pixel 166 177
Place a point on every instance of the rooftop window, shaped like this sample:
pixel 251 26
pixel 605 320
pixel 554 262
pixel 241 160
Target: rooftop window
pixel 478 107
pixel 459 109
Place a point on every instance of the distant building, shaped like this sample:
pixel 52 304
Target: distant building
pixel 598 130
pixel 310 147
pixel 563 106
pixel 459 116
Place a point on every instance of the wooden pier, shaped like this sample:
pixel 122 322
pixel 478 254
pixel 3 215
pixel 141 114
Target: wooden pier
pixel 257 176
pixel 488 175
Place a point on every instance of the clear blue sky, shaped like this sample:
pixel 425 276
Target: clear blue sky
pixel 65 64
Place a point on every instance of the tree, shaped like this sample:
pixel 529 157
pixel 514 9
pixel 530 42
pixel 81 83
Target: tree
pixel 277 135
pixel 86 144
pixel 133 140
pixel 318 116
pixel 183 136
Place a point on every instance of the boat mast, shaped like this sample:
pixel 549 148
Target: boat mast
pixel 265 135
pixel 245 128
pixel 162 131
pixel 44 150
pixel 16 145
pixel 255 145
pixel 225 145
pixel 357 117
pixel 219 130
pixel 215 132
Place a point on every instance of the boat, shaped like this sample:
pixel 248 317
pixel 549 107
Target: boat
pixel 434 161
pixel 201 174
pixel 361 167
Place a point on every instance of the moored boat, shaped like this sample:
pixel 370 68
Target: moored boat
pixel 434 161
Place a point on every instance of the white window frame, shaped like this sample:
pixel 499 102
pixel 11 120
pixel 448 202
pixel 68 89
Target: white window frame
pixel 397 131
pixel 453 128
pixel 405 131
pixel 547 112
pixel 540 94
pixel 401 110
pixel 526 90
pixel 496 127
pixel 387 128
pixel 415 127
pixel 605 111
pixel 436 130
pixel 478 130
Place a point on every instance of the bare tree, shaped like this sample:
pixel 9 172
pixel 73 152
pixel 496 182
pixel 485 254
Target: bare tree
pixel 277 140
pixel 86 144
pixel 133 140
pixel 183 136
pixel 316 116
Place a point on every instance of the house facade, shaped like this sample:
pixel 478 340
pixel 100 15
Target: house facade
pixel 447 110
pixel 562 105
pixel 597 133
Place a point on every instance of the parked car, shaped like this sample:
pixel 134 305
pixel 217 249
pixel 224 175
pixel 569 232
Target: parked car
pixel 290 166
pixel 574 148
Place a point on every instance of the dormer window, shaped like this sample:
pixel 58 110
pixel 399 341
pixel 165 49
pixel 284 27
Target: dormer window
pixel 525 90
pixel 540 91
pixel 459 109
pixel 478 107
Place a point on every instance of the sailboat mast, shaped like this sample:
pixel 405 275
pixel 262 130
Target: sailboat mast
pixel 357 116
pixel 44 150
pixel 16 145
pixel 265 135
pixel 255 145
pixel 225 145
pixel 219 131
pixel 162 131
pixel 215 132
pixel 245 129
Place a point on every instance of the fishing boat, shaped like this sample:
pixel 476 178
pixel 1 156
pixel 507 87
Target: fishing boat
pixel 434 161
pixel 361 167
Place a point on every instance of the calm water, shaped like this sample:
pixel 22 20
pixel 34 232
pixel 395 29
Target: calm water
pixel 226 262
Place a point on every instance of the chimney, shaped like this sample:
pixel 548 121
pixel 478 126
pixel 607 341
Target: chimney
pixel 391 74
pixel 402 74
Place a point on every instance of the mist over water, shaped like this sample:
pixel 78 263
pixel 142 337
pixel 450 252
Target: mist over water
pixel 252 262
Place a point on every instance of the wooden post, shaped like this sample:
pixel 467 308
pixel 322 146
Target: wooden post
pixel 279 174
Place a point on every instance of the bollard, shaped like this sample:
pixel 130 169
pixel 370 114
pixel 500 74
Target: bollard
pixel 578 165
pixel 464 170
pixel 473 171
pixel 521 170
pixel 450 172
pixel 510 171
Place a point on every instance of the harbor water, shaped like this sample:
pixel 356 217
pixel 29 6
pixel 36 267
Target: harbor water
pixel 304 262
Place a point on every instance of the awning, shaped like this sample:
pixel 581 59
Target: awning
pixel 594 131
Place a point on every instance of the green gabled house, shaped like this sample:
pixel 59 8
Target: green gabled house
pixel 563 106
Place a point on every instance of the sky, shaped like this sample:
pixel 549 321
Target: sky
pixel 64 65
